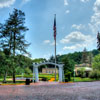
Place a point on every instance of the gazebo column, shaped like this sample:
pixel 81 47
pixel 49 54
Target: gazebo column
pixel 36 74
pixel 60 73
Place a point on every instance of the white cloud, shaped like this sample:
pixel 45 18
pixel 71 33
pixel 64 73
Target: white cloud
pixel 77 40
pixel 95 19
pixel 6 3
pixel 53 43
pixel 96 7
pixel 84 0
pixel 75 47
pixel 65 2
pixel 67 11
pixel 24 1
pixel 49 42
pixel 46 41
pixel 78 27
pixel 69 48
pixel 75 37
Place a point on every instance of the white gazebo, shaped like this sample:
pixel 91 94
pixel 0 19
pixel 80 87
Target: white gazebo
pixel 35 70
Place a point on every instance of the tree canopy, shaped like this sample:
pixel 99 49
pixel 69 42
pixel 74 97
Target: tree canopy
pixel 96 62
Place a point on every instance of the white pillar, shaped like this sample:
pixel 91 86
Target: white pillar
pixel 36 73
pixel 60 73
pixel 33 74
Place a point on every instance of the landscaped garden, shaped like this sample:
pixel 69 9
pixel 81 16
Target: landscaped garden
pixel 20 79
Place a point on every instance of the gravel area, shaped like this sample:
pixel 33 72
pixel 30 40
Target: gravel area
pixel 52 91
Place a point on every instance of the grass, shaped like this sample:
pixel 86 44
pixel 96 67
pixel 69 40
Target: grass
pixel 79 79
pixel 48 76
pixel 41 75
pixel 9 78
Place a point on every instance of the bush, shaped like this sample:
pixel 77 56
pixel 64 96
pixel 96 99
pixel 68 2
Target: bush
pixel 28 76
pixel 19 70
pixel 81 73
pixel 94 74
pixel 28 71
pixel 67 76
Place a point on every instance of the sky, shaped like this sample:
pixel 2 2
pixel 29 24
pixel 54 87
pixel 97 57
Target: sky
pixel 78 22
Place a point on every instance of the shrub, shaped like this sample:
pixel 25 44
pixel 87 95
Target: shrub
pixel 67 76
pixel 81 73
pixel 28 71
pixel 94 74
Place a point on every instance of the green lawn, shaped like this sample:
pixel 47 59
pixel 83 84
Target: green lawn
pixel 79 79
pixel 48 76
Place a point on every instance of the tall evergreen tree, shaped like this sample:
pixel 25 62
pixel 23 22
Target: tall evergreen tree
pixel 90 58
pixel 84 56
pixel 13 35
pixel 16 23
pixel 4 47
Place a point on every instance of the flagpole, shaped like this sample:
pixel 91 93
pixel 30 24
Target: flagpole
pixel 55 59
pixel 55 42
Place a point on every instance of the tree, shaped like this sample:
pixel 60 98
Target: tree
pixel 2 61
pixel 5 62
pixel 13 32
pixel 24 62
pixel 95 52
pixel 90 58
pixel 96 62
pixel 16 23
pixel 98 41
pixel 28 71
pixel 52 59
pixel 5 47
pixel 68 67
pixel 84 56
pixel 76 56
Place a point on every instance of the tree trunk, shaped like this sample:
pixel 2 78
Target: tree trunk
pixel 14 47
pixel 14 81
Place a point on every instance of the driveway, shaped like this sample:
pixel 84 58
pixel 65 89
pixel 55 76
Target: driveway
pixel 52 91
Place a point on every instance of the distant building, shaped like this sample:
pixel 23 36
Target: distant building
pixel 49 70
pixel 87 67
pixel 82 65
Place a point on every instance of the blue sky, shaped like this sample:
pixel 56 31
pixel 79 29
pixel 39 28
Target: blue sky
pixel 78 22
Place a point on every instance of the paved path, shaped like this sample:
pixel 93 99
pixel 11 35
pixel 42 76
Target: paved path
pixel 52 91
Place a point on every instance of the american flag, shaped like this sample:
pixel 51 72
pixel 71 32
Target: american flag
pixel 54 27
